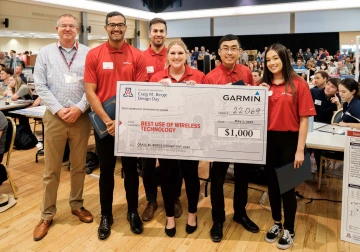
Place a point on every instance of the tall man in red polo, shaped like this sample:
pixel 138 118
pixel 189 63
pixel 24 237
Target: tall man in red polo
pixel 155 57
pixel 106 64
pixel 228 72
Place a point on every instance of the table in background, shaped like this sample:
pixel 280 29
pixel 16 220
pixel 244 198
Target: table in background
pixel 33 112
pixel 324 140
pixel 14 104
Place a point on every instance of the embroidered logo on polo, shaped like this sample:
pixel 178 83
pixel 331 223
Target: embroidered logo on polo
pixel 127 63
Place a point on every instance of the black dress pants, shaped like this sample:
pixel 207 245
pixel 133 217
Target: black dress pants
pixel 189 171
pixel 148 167
pixel 169 173
pixel 281 149
pixel 105 151
pixel 150 178
pixel 217 176
pixel 169 184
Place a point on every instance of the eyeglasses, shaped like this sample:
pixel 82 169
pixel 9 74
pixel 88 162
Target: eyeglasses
pixel 64 26
pixel 112 26
pixel 230 49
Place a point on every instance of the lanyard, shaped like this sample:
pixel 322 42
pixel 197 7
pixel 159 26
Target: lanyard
pixel 72 58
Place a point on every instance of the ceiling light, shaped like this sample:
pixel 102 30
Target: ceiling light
pixel 102 7
pixel 262 9
pixel 32 33
pixel 232 11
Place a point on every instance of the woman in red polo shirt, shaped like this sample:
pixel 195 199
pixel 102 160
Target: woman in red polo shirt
pixel 179 72
pixel 290 105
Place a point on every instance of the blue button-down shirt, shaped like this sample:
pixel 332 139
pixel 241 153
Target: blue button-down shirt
pixel 49 77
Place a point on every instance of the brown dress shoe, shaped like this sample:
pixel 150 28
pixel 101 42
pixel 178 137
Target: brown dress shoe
pixel 149 211
pixel 83 214
pixel 178 208
pixel 41 229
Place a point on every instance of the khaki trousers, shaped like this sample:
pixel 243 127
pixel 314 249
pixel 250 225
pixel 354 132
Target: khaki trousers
pixel 57 132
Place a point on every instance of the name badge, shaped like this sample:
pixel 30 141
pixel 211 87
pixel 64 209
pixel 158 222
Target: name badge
pixel 150 69
pixel 317 102
pixel 70 78
pixel 108 65
pixel 270 93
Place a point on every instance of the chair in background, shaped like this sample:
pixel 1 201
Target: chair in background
pixel 36 121
pixel 41 150
pixel 330 156
pixel 337 116
pixel 9 144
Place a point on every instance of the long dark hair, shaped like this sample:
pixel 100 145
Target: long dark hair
pixel 351 85
pixel 287 71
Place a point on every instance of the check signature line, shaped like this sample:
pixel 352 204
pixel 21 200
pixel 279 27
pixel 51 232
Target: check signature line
pixel 244 115
pixel 240 151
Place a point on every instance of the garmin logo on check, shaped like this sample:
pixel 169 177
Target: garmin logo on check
pixel 255 98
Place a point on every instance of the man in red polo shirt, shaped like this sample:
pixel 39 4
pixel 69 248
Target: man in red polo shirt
pixel 155 57
pixel 106 64
pixel 228 72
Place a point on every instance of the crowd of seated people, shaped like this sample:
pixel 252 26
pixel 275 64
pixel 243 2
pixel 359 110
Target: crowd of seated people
pixel 13 83
pixel 320 60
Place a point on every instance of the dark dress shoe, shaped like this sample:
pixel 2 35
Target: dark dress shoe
pixel 191 229
pixel 248 224
pixel 216 232
pixel 170 232
pixel 104 229
pixel 136 225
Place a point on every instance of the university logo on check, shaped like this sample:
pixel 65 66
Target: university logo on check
pixel 128 93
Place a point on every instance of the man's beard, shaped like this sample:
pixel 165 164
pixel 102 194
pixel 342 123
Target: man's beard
pixel 158 45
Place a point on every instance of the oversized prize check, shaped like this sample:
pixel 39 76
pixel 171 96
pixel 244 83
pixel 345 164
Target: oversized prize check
pixel 196 122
